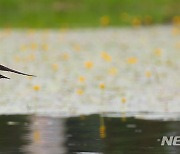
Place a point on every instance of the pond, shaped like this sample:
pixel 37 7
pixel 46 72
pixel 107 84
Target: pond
pixel 91 134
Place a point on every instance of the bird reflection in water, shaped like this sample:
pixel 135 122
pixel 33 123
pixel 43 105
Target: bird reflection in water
pixel 46 136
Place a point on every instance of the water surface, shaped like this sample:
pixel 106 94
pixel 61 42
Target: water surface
pixel 21 134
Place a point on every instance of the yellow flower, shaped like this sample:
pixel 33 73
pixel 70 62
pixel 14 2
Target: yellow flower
pixel 31 57
pixel 123 100
pixel 65 56
pixel 34 46
pixel 102 86
pixel 158 52
pixel 55 67
pixel 106 56
pixel 148 74
pixel 88 64
pixel 23 48
pixel 80 91
pixel 113 71
pixel 132 60
pixel 77 47
pixel 105 20
pixel 81 79
pixel 177 45
pixel 136 21
pixel 176 20
pixel 45 47
pixel 36 88
pixel 176 31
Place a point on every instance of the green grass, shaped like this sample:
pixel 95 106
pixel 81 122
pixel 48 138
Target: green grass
pixel 83 13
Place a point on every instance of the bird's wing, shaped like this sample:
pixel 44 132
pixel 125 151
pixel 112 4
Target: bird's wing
pixel 1 76
pixel 3 68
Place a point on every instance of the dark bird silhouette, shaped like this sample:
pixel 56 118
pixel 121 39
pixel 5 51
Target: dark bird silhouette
pixel 3 68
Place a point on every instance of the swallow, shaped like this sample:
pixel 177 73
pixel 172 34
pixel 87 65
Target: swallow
pixel 4 68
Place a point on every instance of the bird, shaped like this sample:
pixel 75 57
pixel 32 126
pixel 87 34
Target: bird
pixel 4 68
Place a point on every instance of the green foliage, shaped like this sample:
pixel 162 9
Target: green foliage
pixel 83 13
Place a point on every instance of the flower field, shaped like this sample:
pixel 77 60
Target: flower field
pixel 85 71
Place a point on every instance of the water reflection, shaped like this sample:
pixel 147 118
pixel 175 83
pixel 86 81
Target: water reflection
pixel 96 134
pixel 83 134
pixel 46 135
pixel 12 135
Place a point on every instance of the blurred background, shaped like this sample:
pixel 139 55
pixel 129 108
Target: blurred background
pixel 86 13
pixel 100 88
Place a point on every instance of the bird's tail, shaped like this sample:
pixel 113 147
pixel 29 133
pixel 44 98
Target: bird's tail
pixel 3 68
pixel 4 77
